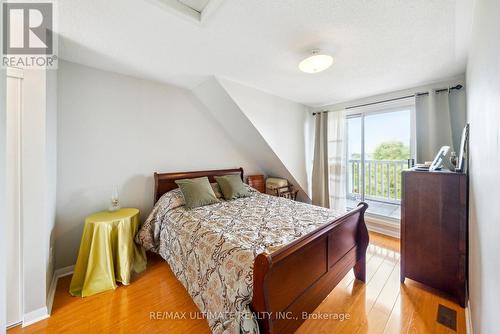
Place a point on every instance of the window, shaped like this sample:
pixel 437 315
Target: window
pixel 380 141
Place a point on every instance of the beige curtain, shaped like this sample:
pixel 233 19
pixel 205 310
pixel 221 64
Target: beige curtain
pixel 320 186
pixel 440 118
pixel 337 160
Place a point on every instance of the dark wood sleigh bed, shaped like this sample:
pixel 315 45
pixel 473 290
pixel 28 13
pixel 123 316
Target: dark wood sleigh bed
pixel 297 277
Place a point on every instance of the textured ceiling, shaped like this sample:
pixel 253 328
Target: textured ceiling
pixel 197 5
pixel 377 45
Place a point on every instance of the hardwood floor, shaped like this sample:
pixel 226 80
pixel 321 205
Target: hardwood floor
pixel 382 305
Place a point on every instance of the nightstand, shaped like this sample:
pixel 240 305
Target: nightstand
pixel 107 252
pixel 257 182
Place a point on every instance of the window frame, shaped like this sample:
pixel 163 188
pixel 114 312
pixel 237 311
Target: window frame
pixel 374 109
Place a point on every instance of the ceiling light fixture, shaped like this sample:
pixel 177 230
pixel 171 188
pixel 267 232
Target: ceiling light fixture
pixel 316 63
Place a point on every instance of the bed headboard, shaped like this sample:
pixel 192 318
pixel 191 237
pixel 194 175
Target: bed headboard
pixel 166 181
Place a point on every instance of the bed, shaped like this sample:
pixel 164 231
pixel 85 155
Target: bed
pixel 258 263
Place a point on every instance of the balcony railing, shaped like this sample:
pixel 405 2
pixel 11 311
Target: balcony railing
pixel 382 180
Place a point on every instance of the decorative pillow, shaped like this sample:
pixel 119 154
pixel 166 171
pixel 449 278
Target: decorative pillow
pixel 217 191
pixel 197 192
pixel 232 187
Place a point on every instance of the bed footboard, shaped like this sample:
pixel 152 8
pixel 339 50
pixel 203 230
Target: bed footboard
pixel 295 279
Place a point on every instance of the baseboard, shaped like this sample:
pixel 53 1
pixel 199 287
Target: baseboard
pixel 468 319
pixel 389 228
pixel 9 326
pixel 35 316
pixel 58 273
pixel 65 271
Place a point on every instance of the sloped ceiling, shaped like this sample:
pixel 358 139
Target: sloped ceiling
pixel 195 11
pixel 377 45
pixel 197 5
pixel 245 135
pixel 279 121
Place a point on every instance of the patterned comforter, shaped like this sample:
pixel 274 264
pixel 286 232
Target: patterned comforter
pixel 211 249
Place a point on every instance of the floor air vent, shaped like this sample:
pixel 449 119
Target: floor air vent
pixel 447 317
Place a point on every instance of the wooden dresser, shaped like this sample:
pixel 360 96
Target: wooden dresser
pixel 257 182
pixel 434 231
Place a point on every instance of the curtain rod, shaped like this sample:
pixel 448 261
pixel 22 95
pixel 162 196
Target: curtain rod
pixel 457 87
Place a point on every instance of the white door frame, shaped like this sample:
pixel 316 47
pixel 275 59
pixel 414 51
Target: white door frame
pixel 17 74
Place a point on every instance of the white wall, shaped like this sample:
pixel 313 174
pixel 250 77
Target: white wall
pixel 281 122
pixel 118 130
pixel 483 82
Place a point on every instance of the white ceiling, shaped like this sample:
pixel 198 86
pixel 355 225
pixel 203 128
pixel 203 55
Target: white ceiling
pixel 378 45
pixel 197 5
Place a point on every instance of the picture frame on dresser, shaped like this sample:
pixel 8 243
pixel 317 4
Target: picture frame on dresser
pixel 464 149
pixel 440 159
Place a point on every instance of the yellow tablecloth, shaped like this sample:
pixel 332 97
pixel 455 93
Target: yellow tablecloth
pixel 107 253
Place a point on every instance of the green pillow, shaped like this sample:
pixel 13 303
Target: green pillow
pixel 232 187
pixel 197 192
